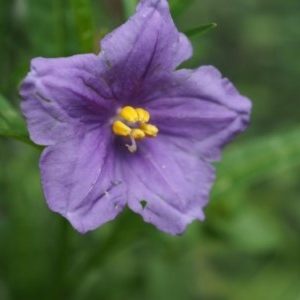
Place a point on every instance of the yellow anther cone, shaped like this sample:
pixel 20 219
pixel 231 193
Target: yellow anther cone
pixel 149 130
pixel 129 114
pixel 132 123
pixel 119 128
pixel 143 115
pixel 137 134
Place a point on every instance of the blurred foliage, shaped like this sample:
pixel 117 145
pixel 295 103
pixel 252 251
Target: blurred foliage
pixel 129 7
pixel 200 30
pixel 248 247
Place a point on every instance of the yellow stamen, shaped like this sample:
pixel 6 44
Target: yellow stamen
pixel 143 115
pixel 132 123
pixel 149 130
pixel 129 114
pixel 119 128
pixel 137 134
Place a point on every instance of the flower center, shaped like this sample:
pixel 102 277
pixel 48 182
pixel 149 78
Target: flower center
pixel 132 123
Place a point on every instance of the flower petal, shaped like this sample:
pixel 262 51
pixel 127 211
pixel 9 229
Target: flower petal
pixel 199 111
pixel 79 181
pixel 173 183
pixel 146 45
pixel 60 92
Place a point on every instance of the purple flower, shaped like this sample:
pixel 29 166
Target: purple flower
pixel 125 127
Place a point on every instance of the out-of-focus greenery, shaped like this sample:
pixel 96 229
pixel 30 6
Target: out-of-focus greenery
pixel 248 247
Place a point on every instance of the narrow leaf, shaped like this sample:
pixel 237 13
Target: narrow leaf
pixel 11 123
pixel 7 113
pixel 201 30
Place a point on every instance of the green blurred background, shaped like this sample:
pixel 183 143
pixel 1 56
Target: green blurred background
pixel 248 247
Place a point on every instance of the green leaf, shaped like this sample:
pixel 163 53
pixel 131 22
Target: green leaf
pixel 129 7
pixel 198 31
pixel 85 24
pixel 11 123
pixel 258 159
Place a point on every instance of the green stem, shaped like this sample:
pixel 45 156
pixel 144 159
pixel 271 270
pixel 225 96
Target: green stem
pixel 59 20
pixel 83 16
pixel 60 289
